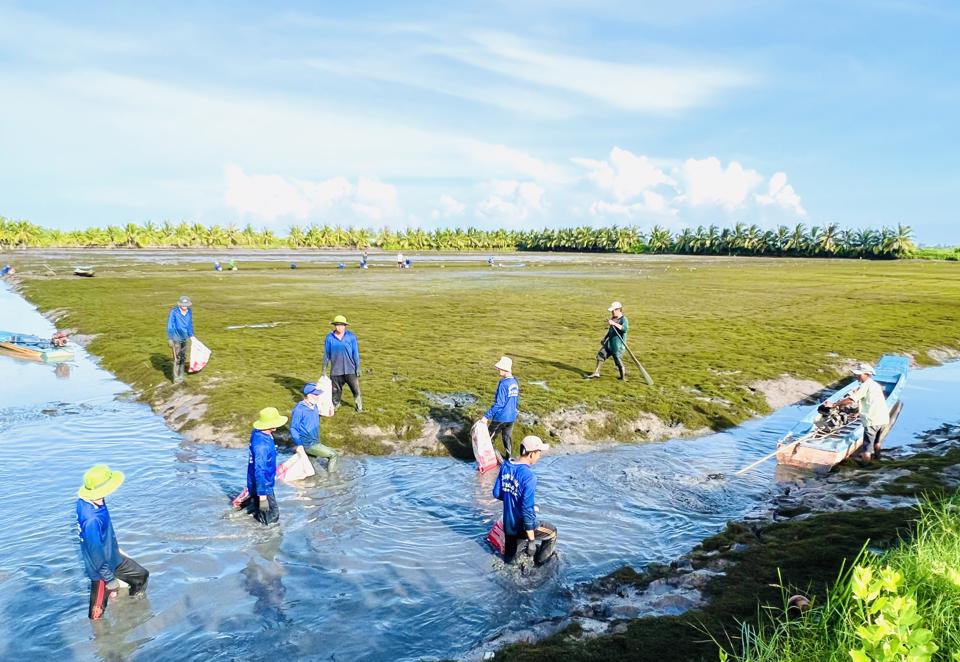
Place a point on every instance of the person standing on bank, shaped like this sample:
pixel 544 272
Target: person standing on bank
pixel 102 559
pixel 341 352
pixel 305 427
pixel 502 414
pixel 874 412
pixel 614 342
pixel 262 466
pixel 516 486
pixel 179 333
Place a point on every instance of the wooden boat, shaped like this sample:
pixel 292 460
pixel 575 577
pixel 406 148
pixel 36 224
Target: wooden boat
pixel 33 347
pixel 86 272
pixel 824 438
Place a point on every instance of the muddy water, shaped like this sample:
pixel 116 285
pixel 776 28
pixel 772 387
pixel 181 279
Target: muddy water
pixel 385 560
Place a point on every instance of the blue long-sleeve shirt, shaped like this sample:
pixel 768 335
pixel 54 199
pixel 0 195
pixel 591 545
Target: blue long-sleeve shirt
pixel 305 424
pixel 343 354
pixel 504 408
pixel 516 486
pixel 180 325
pixel 262 464
pixel 98 543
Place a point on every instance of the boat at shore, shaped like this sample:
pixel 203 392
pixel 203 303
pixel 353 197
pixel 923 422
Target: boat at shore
pixel 825 437
pixel 34 347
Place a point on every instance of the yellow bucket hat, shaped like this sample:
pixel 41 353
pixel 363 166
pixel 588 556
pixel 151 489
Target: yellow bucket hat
pixel 340 319
pixel 99 481
pixel 269 418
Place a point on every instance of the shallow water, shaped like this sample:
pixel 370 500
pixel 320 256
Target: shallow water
pixel 385 560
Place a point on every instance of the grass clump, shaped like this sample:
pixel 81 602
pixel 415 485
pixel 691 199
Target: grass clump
pixel 903 605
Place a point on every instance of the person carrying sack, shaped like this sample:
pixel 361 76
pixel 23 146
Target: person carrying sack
pixel 342 354
pixel 103 561
pixel 179 332
pixel 503 412
pixel 614 342
pixel 305 427
pixel 262 466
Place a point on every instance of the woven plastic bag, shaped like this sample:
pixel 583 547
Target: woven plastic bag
pixel 482 447
pixel 326 397
pixel 297 467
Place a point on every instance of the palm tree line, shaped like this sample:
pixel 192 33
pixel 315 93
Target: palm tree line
pixel 740 239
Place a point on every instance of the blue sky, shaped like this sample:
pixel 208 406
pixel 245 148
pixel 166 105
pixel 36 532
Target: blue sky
pixel 493 115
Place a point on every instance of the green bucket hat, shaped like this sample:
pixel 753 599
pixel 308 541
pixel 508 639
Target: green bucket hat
pixel 99 481
pixel 269 418
pixel 340 319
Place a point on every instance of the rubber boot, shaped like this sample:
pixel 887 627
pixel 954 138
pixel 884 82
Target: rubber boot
pixel 596 373
pixel 622 369
pixel 332 464
pixel 359 404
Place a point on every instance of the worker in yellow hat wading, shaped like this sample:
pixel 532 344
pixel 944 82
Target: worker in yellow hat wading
pixel 342 354
pixel 262 466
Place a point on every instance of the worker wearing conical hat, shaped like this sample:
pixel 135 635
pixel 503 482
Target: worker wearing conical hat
pixel 342 354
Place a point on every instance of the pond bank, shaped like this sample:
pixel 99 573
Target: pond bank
pixel 799 541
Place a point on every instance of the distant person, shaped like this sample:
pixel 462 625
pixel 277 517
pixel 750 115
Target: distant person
pixel 217 266
pixel 7 270
pixel 305 427
pixel 874 412
pixel 262 466
pixel 614 342
pixel 408 264
pixel 293 265
pixel 179 333
pixel 342 354
pixel 365 255
pixel 363 262
pixel 232 264
pixel 516 486
pixel 502 414
pixel 341 266
pixel 400 260
pixel 102 559
pixel 490 261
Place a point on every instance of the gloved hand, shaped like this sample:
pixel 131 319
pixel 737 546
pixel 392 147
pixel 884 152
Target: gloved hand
pixel 113 585
pixel 531 547
pixel 264 503
pixel 358 372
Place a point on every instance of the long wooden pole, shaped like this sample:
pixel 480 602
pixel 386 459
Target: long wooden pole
pixel 643 370
pixel 766 457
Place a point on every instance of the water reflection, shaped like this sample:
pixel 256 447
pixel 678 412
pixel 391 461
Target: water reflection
pixel 384 560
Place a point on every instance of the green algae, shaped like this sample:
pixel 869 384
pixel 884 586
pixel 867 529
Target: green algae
pixel 705 329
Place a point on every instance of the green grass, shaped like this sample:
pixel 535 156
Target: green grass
pixel 704 328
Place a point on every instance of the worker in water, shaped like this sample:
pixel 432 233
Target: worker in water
pixel 502 414
pixel 400 260
pixel 874 412
pixel 179 332
pixel 105 565
pixel 614 342
pixel 262 466
pixel 342 354
pixel 305 427
pixel 516 486
pixel 7 270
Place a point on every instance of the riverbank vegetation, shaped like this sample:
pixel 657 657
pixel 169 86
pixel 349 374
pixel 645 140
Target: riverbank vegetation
pixel 706 329
pixel 799 240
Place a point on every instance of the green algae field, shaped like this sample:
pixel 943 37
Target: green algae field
pixel 707 329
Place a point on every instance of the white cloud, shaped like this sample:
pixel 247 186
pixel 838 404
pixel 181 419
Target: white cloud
pixel 272 197
pixel 781 194
pixel 707 182
pixel 512 201
pixel 626 175
pixel 447 207
pixel 651 205
pixel 513 161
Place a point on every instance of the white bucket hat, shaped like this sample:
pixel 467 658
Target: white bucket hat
pixel 614 306
pixel 505 363
pixel 864 369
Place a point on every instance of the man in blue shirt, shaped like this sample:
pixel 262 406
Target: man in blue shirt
pixel 341 352
pixel 503 413
pixel 179 332
pixel 262 466
pixel 516 486
pixel 102 559
pixel 305 427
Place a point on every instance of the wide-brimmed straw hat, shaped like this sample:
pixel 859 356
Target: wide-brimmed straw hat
pixel 269 418
pixel 184 301
pixel 505 363
pixel 340 319
pixel 99 481
pixel 614 306
pixel 864 369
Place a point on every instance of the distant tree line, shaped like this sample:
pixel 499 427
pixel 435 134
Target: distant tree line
pixel 741 239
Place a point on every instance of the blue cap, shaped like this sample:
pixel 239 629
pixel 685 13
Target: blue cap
pixel 311 388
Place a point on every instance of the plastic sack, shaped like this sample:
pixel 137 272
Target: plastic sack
pixel 240 498
pixel 199 355
pixel 496 537
pixel 482 447
pixel 326 397
pixel 297 467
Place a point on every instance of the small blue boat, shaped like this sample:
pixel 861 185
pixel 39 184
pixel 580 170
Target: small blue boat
pixel 824 438
pixel 34 347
